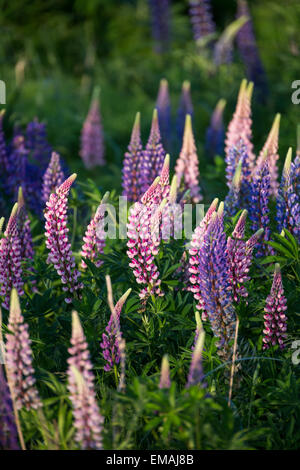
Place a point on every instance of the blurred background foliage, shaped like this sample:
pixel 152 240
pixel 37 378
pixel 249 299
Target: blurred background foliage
pixel 53 53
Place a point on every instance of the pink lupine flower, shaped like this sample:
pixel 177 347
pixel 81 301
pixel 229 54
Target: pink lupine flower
pixel 60 253
pixel 11 273
pixel 92 146
pixel 19 358
pixel 196 375
pixel 94 238
pixel 275 325
pixel 110 339
pixel 270 152
pixel 53 177
pixel 163 106
pixel 196 242
pixel 165 381
pixel 88 421
pixel 240 127
pixel 187 165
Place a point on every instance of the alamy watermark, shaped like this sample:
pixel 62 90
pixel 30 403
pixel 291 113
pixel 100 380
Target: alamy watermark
pixel 2 92
pixel 296 94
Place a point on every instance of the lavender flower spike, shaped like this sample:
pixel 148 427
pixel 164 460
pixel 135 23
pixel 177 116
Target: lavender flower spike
pixel 94 237
pixel 163 106
pixel 92 145
pixel 201 19
pixel 8 430
pixel 196 375
pixel 132 161
pixel 160 21
pixel 185 107
pixel 56 232
pixel 53 177
pixel 165 381
pixel 88 421
pixel 19 358
pixel 215 134
pixel 11 273
pixel 275 325
pixel 110 339
pixel 232 201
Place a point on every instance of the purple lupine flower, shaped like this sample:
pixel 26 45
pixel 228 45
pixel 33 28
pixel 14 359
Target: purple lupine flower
pixel 214 283
pixel 88 421
pixel 249 51
pixel 153 156
pixel 18 167
pixel 259 204
pixel 270 152
pixel 185 107
pixel 240 257
pixel 288 200
pixel 132 161
pixel 165 381
pixel 201 18
pixel 53 177
pixel 163 106
pixel 215 133
pixel 19 358
pixel 4 163
pixel 160 22
pixel 27 252
pixel 196 244
pixel 240 127
pixel 56 232
pixel 110 339
pixel 92 144
pixel 196 375
pixel 94 237
pixel 8 429
pixel 187 165
pixel 275 324
pixel 37 143
pixel 232 200
pixel 11 273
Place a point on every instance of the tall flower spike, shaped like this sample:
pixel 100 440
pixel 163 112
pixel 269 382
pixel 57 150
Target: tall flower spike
pixel 275 324
pixel 19 358
pixel 215 285
pixel 92 145
pixel 94 237
pixel 163 106
pixel 53 177
pixel 196 375
pixel 240 127
pixel 160 21
pixel 187 165
pixel 37 143
pixel 11 273
pixel 199 328
pixel 165 381
pixel 132 161
pixel 201 18
pixel 56 232
pixel 232 201
pixel 153 156
pixel 249 51
pixel 110 343
pixel 185 107
pixel 215 133
pixel 8 430
pixel 270 151
pixel 88 421
pixel 196 244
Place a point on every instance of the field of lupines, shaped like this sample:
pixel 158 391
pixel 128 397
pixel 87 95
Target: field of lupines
pixel 171 322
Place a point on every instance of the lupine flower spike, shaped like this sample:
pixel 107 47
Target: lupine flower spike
pixel 94 237
pixel 92 145
pixel 132 161
pixel 88 421
pixel 201 19
pixel 215 133
pixel 153 156
pixel 19 358
pixel 232 201
pixel 275 325
pixel 165 381
pixel 57 242
pixel 270 151
pixel 8 430
pixel 53 177
pixel 110 340
pixel 185 107
pixel 196 375
pixel 163 107
pixel 24 229
pixel 11 273
pixel 160 20
pixel 187 165
pixel 199 328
